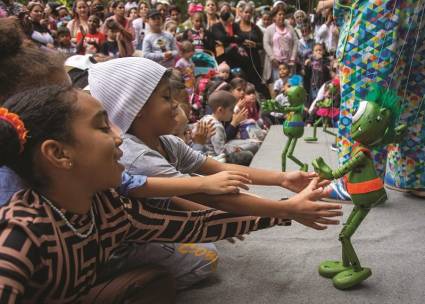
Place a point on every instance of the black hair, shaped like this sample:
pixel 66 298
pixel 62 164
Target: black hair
pixel 222 99
pixel 174 8
pixel 22 64
pixel 112 25
pixel 47 113
pixel 213 85
pixel 278 8
pixel 237 82
pixel 115 4
pixel 63 31
pixel 225 16
pixel 250 88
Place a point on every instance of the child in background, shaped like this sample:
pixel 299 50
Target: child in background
pixel 197 33
pixel 305 45
pixel 280 85
pixel 186 66
pixel 90 42
pixel 252 127
pixel 113 46
pixel 170 26
pixel 63 42
pixel 316 71
pixel 132 14
pixel 223 71
pixel 159 46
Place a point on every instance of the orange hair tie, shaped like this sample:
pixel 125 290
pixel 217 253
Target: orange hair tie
pixel 17 124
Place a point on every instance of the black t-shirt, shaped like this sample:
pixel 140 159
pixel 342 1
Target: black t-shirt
pixel 110 48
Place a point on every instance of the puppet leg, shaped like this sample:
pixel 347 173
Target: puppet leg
pixel 303 166
pixel 314 137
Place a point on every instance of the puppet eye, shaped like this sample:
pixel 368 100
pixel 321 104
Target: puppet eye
pixel 360 111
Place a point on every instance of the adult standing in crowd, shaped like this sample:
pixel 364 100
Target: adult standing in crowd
pixel 80 11
pixel 126 30
pixel 280 44
pixel 140 25
pixel 211 14
pixel 252 42
pixel 40 32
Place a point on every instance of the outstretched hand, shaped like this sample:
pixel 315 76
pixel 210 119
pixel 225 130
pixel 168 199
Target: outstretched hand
pixel 296 181
pixel 305 209
pixel 225 182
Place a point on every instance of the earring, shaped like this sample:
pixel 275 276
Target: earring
pixel 69 165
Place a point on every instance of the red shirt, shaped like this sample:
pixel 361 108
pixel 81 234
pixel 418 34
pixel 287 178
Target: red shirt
pixel 90 42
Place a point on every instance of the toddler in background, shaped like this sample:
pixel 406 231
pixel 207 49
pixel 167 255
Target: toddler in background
pixel 171 27
pixel 223 71
pixel 186 66
pixel 237 151
pixel 63 42
pixel 252 126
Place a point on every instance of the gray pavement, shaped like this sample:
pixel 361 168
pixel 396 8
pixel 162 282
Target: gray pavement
pixel 279 265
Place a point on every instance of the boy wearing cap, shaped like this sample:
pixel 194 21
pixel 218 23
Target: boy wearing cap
pixel 159 46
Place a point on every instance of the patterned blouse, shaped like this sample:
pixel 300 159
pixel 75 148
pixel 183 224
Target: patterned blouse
pixel 43 261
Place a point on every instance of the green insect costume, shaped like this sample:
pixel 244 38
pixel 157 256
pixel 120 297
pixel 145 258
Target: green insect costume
pixel 373 126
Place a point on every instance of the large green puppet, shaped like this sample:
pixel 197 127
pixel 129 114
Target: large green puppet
pixel 374 124
pixel 293 126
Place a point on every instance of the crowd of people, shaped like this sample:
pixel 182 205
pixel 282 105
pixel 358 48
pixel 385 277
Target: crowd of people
pixel 123 157
pixel 248 51
pixel 126 136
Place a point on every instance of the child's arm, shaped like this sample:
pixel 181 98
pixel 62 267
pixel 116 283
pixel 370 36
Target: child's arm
pixel 173 47
pixel 220 183
pixel 121 47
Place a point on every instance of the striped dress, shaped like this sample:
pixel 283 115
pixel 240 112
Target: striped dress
pixel 43 261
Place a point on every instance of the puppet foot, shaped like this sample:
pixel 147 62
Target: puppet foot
pixel 329 269
pixel 304 168
pixel 310 139
pixel 350 278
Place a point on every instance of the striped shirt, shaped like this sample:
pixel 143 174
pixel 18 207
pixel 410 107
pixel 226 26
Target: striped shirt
pixel 43 261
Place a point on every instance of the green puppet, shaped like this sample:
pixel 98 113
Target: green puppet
pixel 374 124
pixel 293 126
pixel 326 110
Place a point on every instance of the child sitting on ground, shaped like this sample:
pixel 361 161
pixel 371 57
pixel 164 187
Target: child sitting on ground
pixel 222 104
pixel 90 42
pixel 63 42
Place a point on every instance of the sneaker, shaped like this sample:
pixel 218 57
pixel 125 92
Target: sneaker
pixel 389 183
pixel 338 193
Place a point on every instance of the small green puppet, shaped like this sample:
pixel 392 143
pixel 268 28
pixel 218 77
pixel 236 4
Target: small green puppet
pixel 373 125
pixel 293 126
pixel 326 110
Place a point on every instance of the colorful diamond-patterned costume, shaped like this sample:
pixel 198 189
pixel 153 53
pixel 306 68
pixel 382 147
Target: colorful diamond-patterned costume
pixel 382 41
